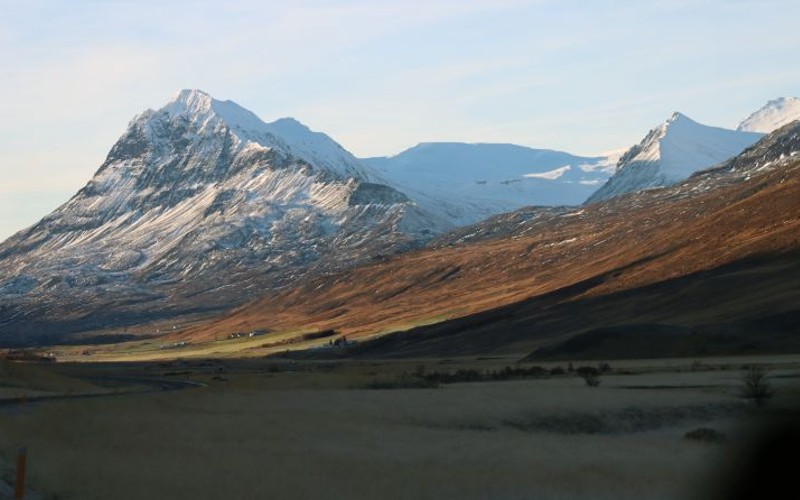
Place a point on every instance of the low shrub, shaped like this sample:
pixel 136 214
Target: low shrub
pixel 589 374
pixel 402 382
pixel 469 375
pixel 706 435
pixel 319 335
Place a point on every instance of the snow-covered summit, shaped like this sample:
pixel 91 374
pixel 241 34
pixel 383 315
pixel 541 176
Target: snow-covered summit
pixel 198 105
pixel 672 152
pixel 685 146
pixel 211 117
pixel 775 114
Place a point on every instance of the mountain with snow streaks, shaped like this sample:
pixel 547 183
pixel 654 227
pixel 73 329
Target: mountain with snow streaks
pixel 201 206
pixel 195 197
pixel 775 114
pixel 470 182
pixel 671 153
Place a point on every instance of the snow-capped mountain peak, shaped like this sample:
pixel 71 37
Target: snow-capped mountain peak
pixel 199 107
pixel 208 117
pixel 678 116
pixel 201 193
pixel 773 115
pixel 672 152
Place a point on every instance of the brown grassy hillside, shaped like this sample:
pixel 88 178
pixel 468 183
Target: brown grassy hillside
pixel 600 250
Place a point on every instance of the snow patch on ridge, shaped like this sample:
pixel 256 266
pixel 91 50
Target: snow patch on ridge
pixel 551 174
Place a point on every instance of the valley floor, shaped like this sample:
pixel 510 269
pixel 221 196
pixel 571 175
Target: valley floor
pixel 271 429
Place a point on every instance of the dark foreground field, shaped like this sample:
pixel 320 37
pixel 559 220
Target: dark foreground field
pixel 261 429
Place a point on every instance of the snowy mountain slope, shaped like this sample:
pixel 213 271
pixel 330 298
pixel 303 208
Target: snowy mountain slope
pixel 671 153
pixel 470 182
pixel 286 134
pixel 199 195
pixel 773 152
pixel 775 114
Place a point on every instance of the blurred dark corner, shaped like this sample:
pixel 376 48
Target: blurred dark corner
pixel 765 465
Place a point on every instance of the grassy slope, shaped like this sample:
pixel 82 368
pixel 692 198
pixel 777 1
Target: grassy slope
pixel 746 307
pixel 600 252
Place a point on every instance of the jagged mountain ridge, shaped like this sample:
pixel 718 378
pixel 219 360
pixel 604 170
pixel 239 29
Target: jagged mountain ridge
pixel 671 153
pixel 199 195
pixel 473 181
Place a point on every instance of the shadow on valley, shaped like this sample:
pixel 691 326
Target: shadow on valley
pixel 746 307
pixel 85 329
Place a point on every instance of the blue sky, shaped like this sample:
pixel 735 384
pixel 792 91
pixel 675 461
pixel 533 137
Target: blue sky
pixel 378 76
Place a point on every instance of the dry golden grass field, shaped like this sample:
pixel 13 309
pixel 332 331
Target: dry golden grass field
pixel 276 429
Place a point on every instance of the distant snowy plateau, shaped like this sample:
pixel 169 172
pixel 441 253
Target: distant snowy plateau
pixel 201 206
pixel 471 182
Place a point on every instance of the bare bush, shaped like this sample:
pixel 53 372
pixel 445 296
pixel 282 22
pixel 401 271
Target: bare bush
pixel 589 374
pixel 402 382
pixel 756 386
pixel 706 435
